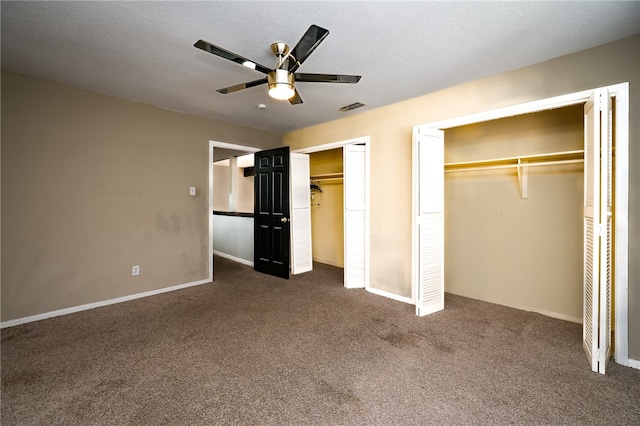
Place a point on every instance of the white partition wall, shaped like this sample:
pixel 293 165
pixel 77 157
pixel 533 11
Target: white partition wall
pixel 233 238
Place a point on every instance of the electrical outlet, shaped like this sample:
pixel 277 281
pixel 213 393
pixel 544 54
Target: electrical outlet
pixel 135 270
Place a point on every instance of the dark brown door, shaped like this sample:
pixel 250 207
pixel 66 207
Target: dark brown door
pixel 271 212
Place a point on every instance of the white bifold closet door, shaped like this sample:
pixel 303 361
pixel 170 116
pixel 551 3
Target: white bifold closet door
pixel 301 256
pixel 429 151
pixel 356 258
pixel 598 218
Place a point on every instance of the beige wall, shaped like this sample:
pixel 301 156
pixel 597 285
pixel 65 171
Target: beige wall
pixel 501 247
pixel 92 185
pixel 221 188
pixel 245 195
pixel 390 127
pixel 327 209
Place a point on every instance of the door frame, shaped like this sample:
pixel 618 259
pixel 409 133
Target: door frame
pixel 217 144
pixel 364 140
pixel 621 212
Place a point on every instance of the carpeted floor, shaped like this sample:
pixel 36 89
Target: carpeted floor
pixel 250 349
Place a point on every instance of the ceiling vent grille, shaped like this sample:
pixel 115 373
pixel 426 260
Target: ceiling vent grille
pixel 350 107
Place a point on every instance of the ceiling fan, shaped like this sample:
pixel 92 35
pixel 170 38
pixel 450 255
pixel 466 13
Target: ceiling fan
pixel 281 79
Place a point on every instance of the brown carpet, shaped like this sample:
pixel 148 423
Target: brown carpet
pixel 250 349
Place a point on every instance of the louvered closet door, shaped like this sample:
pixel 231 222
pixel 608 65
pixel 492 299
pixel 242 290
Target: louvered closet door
pixel 301 259
pixel 606 219
pixel 430 221
pixel 598 203
pixel 356 265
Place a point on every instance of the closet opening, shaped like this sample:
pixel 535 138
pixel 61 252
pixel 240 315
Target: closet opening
pixel 513 191
pixel 339 200
pixel 604 210
pixel 327 206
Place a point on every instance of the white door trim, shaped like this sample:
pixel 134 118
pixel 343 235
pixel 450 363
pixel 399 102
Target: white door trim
pixel 621 94
pixel 365 140
pixel 217 144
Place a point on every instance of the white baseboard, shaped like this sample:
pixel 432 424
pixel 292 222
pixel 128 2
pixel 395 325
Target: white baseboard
pixel 633 363
pixel 74 309
pixel 522 307
pixel 234 258
pixel 389 295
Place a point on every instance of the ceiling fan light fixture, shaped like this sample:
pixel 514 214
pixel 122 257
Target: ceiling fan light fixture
pixel 281 79
pixel 281 84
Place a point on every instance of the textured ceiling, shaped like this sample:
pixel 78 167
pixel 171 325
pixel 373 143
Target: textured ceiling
pixel 143 51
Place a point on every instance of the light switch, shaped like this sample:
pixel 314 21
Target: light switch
pixel 192 190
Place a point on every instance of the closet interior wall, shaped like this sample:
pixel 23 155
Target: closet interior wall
pixel 499 247
pixel 327 207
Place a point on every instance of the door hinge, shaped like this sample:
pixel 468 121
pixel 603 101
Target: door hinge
pixel 601 100
pixel 601 229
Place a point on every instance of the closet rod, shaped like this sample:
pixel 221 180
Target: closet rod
pixel 511 166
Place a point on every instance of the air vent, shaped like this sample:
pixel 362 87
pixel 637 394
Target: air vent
pixel 350 107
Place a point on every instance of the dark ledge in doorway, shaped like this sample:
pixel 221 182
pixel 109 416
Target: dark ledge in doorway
pixel 238 214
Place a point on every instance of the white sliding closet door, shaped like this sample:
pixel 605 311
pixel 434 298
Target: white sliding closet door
pixel 301 259
pixel 429 223
pixel 598 202
pixel 356 256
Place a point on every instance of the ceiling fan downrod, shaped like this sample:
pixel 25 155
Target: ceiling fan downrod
pixel 282 51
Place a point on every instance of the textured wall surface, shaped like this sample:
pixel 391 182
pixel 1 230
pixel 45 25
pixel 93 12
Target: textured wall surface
pixel 92 185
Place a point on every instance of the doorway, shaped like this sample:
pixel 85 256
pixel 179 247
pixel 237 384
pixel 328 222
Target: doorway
pixel 355 178
pixel 327 206
pixel 355 197
pixel 217 151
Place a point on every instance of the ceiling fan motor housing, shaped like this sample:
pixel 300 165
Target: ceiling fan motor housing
pixel 280 49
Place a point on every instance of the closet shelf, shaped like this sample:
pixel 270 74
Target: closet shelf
pixel 326 176
pixel 551 158
pixel 520 163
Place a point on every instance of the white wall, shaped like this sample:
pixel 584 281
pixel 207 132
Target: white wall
pixel 221 188
pixel 233 237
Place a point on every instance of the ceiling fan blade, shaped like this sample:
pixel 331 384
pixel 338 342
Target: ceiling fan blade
pixel 242 86
pixel 223 53
pixel 307 44
pixel 296 99
pixel 327 78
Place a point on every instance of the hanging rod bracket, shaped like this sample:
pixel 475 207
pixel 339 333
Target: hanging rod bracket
pixel 523 178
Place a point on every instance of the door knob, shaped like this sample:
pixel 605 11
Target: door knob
pixel 284 219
